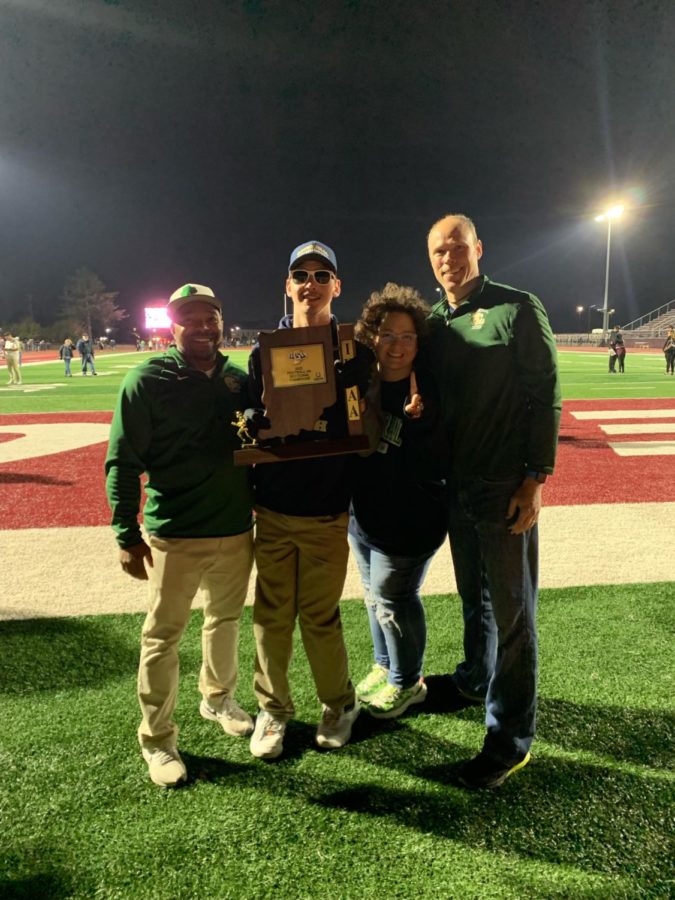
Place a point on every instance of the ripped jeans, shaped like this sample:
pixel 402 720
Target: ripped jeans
pixel 395 611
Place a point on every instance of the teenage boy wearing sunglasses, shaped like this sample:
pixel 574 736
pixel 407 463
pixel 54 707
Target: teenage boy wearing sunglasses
pixel 301 535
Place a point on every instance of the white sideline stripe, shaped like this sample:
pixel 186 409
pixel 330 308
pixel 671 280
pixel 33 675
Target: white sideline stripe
pixel 644 448
pixel 642 428
pixel 55 437
pixel 567 556
pixel 76 359
pixel 623 413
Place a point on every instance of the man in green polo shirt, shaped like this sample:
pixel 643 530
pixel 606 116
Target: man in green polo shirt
pixel 494 357
pixel 173 422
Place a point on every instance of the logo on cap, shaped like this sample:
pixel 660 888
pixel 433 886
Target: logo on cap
pixel 312 248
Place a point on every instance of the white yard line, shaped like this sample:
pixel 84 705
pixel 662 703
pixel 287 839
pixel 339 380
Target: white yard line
pixel 623 413
pixel 641 428
pixel 644 448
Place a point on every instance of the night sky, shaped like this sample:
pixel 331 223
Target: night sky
pixel 163 142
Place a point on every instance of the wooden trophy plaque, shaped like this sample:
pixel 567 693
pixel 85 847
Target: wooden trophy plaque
pixel 298 378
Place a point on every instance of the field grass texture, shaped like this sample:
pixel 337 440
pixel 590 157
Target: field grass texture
pixel 590 817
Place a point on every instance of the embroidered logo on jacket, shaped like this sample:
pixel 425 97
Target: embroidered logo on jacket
pixel 478 317
pixel 233 383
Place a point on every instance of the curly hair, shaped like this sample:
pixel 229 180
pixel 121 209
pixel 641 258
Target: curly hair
pixel 392 298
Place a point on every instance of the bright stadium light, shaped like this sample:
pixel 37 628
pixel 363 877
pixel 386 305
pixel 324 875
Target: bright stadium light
pixel 613 212
pixel 156 317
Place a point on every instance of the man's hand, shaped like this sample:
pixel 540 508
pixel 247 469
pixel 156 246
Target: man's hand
pixel 356 371
pixel 414 407
pixel 133 560
pixel 526 502
pixel 256 421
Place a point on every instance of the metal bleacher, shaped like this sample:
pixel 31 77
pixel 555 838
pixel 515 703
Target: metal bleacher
pixel 653 325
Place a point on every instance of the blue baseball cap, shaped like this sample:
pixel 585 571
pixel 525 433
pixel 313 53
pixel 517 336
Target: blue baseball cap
pixel 313 250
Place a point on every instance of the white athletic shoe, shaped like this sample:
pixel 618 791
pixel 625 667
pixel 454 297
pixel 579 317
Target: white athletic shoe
pixel 234 720
pixel 335 726
pixel 165 766
pixel 267 741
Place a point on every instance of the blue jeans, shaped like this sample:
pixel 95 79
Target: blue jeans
pixel 88 360
pixel 496 576
pixel 66 362
pixel 395 611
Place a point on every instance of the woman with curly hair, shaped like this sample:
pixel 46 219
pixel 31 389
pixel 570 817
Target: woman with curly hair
pixel 398 514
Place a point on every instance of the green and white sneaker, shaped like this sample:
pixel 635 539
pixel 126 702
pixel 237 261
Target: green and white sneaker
pixel 374 681
pixel 392 701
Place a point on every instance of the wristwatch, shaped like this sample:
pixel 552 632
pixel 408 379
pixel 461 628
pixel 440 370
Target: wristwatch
pixel 539 477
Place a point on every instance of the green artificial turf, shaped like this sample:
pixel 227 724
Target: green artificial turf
pixel 589 817
pixel 583 374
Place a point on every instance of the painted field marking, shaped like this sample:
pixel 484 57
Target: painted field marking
pixel 622 388
pixel 644 448
pixel 623 413
pixel 641 428
pixel 30 441
pixel 33 388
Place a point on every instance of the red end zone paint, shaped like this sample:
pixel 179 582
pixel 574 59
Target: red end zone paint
pixel 56 490
pixel 589 471
pixel 64 489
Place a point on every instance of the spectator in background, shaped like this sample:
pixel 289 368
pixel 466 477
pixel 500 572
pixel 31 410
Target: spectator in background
pixel 617 350
pixel 66 354
pixel 669 351
pixel 12 353
pixel 85 348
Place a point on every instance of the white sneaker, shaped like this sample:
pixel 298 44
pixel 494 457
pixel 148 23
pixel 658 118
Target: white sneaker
pixel 234 720
pixel 165 766
pixel 267 741
pixel 335 726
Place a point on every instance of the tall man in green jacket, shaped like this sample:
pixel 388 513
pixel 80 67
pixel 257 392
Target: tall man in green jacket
pixel 173 421
pixel 494 357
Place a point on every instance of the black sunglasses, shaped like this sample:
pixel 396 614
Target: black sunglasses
pixel 301 276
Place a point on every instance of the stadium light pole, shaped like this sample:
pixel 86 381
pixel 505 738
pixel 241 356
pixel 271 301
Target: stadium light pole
pixel 580 309
pixel 614 212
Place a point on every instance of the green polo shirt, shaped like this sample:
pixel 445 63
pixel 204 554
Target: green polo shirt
pixel 494 359
pixel 173 423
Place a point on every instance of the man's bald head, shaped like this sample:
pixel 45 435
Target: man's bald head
pixel 454 252
pixel 460 217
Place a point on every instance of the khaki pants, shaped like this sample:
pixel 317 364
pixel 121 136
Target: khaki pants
pixel 302 565
pixel 13 370
pixel 221 567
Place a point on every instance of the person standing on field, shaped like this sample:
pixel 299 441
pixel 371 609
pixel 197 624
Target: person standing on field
pixel 398 514
pixel 301 549
pixel 173 422
pixel 493 354
pixel 12 355
pixel 66 354
pixel 85 347
pixel 669 351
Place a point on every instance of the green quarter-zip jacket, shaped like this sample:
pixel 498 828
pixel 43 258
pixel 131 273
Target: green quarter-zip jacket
pixel 173 423
pixel 494 360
